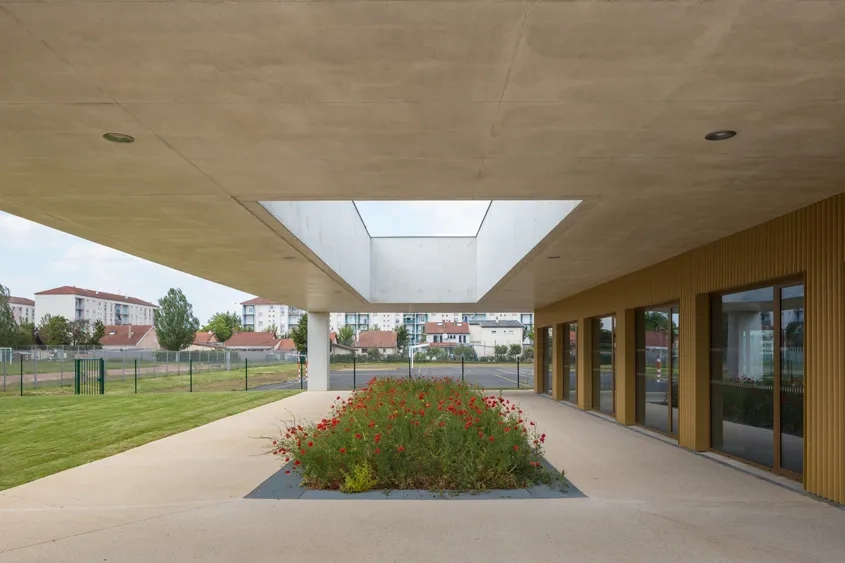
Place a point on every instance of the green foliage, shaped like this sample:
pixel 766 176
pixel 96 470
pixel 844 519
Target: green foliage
pixel 24 335
pixel 435 353
pixel 529 334
pixel 373 353
pixel 8 326
pixel 514 351
pixel 79 334
pixel 402 337
pixel 54 331
pixel 655 321
pixel 500 351
pixel 223 325
pixel 175 322
pixel 527 355
pixel 361 479
pixel 97 333
pixel 435 434
pixel 299 334
pixel 346 336
pixel 273 329
pixel 375 327
pixel 468 353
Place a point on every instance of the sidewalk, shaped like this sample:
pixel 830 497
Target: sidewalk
pixel 179 499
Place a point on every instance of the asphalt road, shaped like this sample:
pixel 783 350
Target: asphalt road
pixel 488 377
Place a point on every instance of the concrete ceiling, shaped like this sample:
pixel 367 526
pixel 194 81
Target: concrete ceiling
pixel 238 102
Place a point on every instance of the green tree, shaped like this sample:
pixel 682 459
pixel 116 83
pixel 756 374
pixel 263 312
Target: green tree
pixel 80 332
pixel 174 321
pixel 375 327
pixel 468 352
pixel 24 335
pixel 346 335
pixel 273 329
pixel 8 326
pixel 54 331
pixel 223 325
pixel 97 333
pixel 500 351
pixel 299 334
pixel 529 334
pixel 514 351
pixel 655 321
pixel 402 337
pixel 374 353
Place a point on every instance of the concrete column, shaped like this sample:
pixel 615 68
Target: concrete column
pixel 585 364
pixel 626 367
pixel 694 386
pixel 558 362
pixel 318 351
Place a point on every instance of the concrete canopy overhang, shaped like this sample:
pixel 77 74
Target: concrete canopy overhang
pixel 236 103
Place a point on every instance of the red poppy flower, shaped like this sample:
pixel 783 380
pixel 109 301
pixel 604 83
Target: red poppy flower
pixel 310 444
pixel 358 436
pixel 491 438
pixel 516 448
pixel 297 462
pixel 343 450
pixel 378 450
pixel 287 472
pixel 401 448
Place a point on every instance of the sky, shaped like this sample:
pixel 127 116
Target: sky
pixel 36 258
pixel 422 218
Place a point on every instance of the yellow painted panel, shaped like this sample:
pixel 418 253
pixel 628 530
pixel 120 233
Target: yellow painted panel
pixel 808 243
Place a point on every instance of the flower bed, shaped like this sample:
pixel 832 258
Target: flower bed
pixel 417 434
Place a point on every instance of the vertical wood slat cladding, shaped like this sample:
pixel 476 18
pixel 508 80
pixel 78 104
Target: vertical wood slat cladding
pixel 809 242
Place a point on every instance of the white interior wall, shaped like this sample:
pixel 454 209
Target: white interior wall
pixel 510 231
pixel 422 270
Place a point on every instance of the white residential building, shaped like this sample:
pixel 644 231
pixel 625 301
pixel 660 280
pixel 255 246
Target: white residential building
pixel 485 335
pixel 259 314
pixel 23 309
pixel 74 304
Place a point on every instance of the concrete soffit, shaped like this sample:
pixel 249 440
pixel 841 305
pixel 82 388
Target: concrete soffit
pixel 399 269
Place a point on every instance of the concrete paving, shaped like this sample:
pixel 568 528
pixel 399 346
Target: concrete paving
pixel 179 499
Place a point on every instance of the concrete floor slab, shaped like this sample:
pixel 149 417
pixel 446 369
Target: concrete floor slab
pixel 647 501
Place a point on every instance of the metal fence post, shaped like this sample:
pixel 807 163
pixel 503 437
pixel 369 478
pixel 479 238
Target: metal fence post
pixel 301 381
pixel 354 371
pixel 190 375
pixel 246 374
pixel 136 376
pixel 517 372
pixel 409 367
pixel 462 368
pixel 102 376
pixel 21 375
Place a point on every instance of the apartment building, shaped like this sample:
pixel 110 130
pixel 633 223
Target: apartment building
pixel 23 309
pixel 259 314
pixel 75 303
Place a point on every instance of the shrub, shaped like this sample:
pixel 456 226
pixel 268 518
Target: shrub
pixel 417 434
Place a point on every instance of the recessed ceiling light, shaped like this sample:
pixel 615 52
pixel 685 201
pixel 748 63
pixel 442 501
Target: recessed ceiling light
pixel 554 257
pixel 119 138
pixel 288 258
pixel 721 135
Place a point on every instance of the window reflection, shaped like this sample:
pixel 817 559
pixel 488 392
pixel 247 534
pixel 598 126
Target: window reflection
pixel 742 365
pixel 657 368
pixel 547 359
pixel 571 351
pixel 604 344
pixel 792 377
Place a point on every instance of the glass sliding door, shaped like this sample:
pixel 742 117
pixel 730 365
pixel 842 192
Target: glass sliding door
pixel 757 376
pixel 547 359
pixel 570 362
pixel 792 378
pixel 604 360
pixel 657 368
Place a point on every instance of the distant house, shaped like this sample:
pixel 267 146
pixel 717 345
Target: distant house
pixel 486 335
pixel 383 340
pixel 447 334
pixel 260 341
pixel 286 345
pixel 204 341
pixel 23 309
pixel 130 337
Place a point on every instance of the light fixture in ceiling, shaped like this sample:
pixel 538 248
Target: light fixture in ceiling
pixel 288 258
pixel 554 257
pixel 721 135
pixel 118 137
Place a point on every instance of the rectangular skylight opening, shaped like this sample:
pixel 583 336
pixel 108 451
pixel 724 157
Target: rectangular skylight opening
pixel 461 218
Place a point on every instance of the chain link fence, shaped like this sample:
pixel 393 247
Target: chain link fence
pixel 49 370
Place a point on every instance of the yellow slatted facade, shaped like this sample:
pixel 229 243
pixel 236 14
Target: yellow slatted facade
pixel 809 242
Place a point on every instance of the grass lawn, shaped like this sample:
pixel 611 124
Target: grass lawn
pixel 40 436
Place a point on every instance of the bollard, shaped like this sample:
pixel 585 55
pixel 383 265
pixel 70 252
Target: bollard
pixel 517 372
pixel 136 376
pixel 190 375
pixel 246 374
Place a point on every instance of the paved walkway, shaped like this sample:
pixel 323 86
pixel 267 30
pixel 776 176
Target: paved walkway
pixel 179 499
